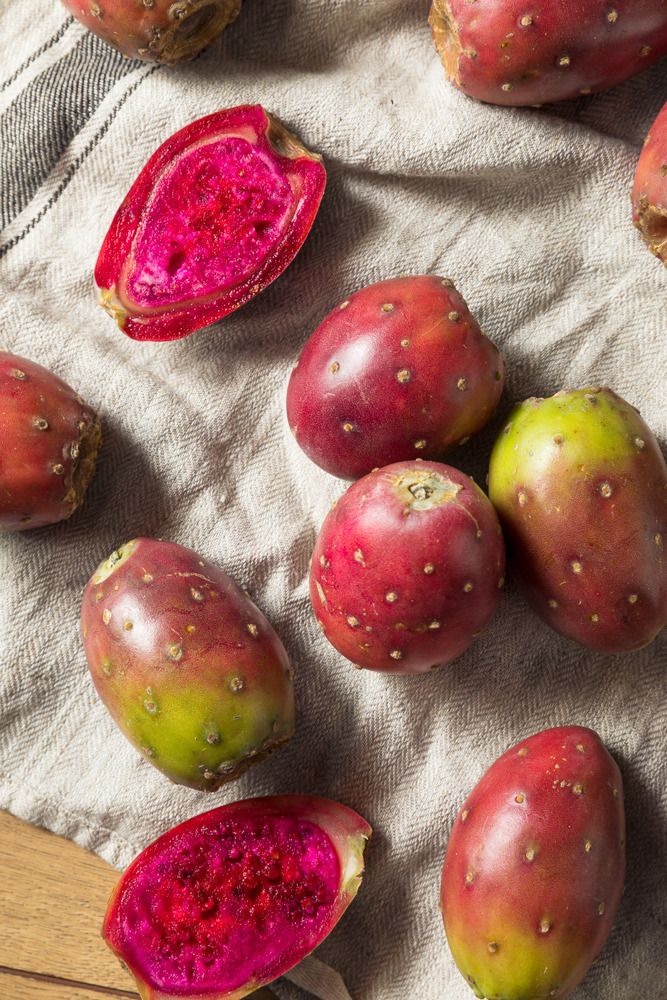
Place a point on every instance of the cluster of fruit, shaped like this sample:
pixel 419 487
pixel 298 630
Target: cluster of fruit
pixel 409 564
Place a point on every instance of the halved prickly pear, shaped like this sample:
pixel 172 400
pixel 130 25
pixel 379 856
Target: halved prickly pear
pixel 399 370
pixel 230 900
pixel 580 486
pixel 516 52
pixel 535 865
pixel 191 671
pixel 649 196
pixel 216 215
pixel 407 568
pixel 164 31
pixel 49 439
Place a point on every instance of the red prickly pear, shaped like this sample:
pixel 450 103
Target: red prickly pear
pixel 190 670
pixel 649 197
pixel 399 370
pixel 49 439
pixel 517 53
pixel 230 900
pixel 216 215
pixel 580 485
pixel 535 865
pixel 407 568
pixel 161 31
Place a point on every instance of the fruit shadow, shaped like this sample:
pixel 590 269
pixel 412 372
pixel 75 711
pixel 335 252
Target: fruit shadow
pixel 126 498
pixel 273 327
pixel 641 925
pixel 626 111
pixel 286 35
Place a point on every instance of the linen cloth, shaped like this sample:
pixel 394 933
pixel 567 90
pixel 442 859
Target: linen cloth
pixel 528 211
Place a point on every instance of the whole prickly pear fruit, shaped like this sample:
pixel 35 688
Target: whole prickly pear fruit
pixel 161 31
pixel 49 439
pixel 216 215
pixel 535 865
pixel 580 485
pixel 649 197
pixel 399 370
pixel 407 568
pixel 230 900
pixel 518 53
pixel 190 670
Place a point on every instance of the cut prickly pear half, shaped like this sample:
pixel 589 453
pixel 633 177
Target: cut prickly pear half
pixel 232 899
pixel 49 440
pixel 161 31
pixel 217 214
pixel 189 668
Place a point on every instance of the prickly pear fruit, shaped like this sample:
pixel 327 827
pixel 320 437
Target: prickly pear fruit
pixel 161 31
pixel 533 53
pixel 191 671
pixel 407 568
pixel 580 485
pixel 535 865
pixel 230 900
pixel 216 215
pixel 399 370
pixel 49 439
pixel 649 197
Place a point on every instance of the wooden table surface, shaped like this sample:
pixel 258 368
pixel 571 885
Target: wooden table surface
pixel 52 899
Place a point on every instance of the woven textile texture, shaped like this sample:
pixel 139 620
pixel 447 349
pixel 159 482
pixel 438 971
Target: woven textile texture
pixel 528 211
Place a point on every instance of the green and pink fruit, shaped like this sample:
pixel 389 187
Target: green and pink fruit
pixel 217 214
pixel 534 869
pixel 398 370
pixel 533 53
pixel 407 568
pixel 164 31
pixel 230 900
pixel 649 197
pixel 190 670
pixel 49 440
pixel 580 485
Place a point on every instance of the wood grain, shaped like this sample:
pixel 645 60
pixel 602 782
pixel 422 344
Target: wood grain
pixel 53 898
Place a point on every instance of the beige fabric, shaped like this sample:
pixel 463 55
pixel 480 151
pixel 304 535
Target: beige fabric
pixel 529 212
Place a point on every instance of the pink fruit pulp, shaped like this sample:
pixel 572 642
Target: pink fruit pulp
pixel 233 898
pixel 217 213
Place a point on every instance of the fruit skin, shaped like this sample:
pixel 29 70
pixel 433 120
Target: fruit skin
pixel 580 486
pixel 255 919
pixel 516 53
pixel 407 568
pixel 217 214
pixel 190 670
pixel 399 370
pixel 49 440
pixel 649 195
pixel 535 864
pixel 156 30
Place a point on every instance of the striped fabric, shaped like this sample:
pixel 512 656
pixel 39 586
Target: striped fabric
pixel 529 212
